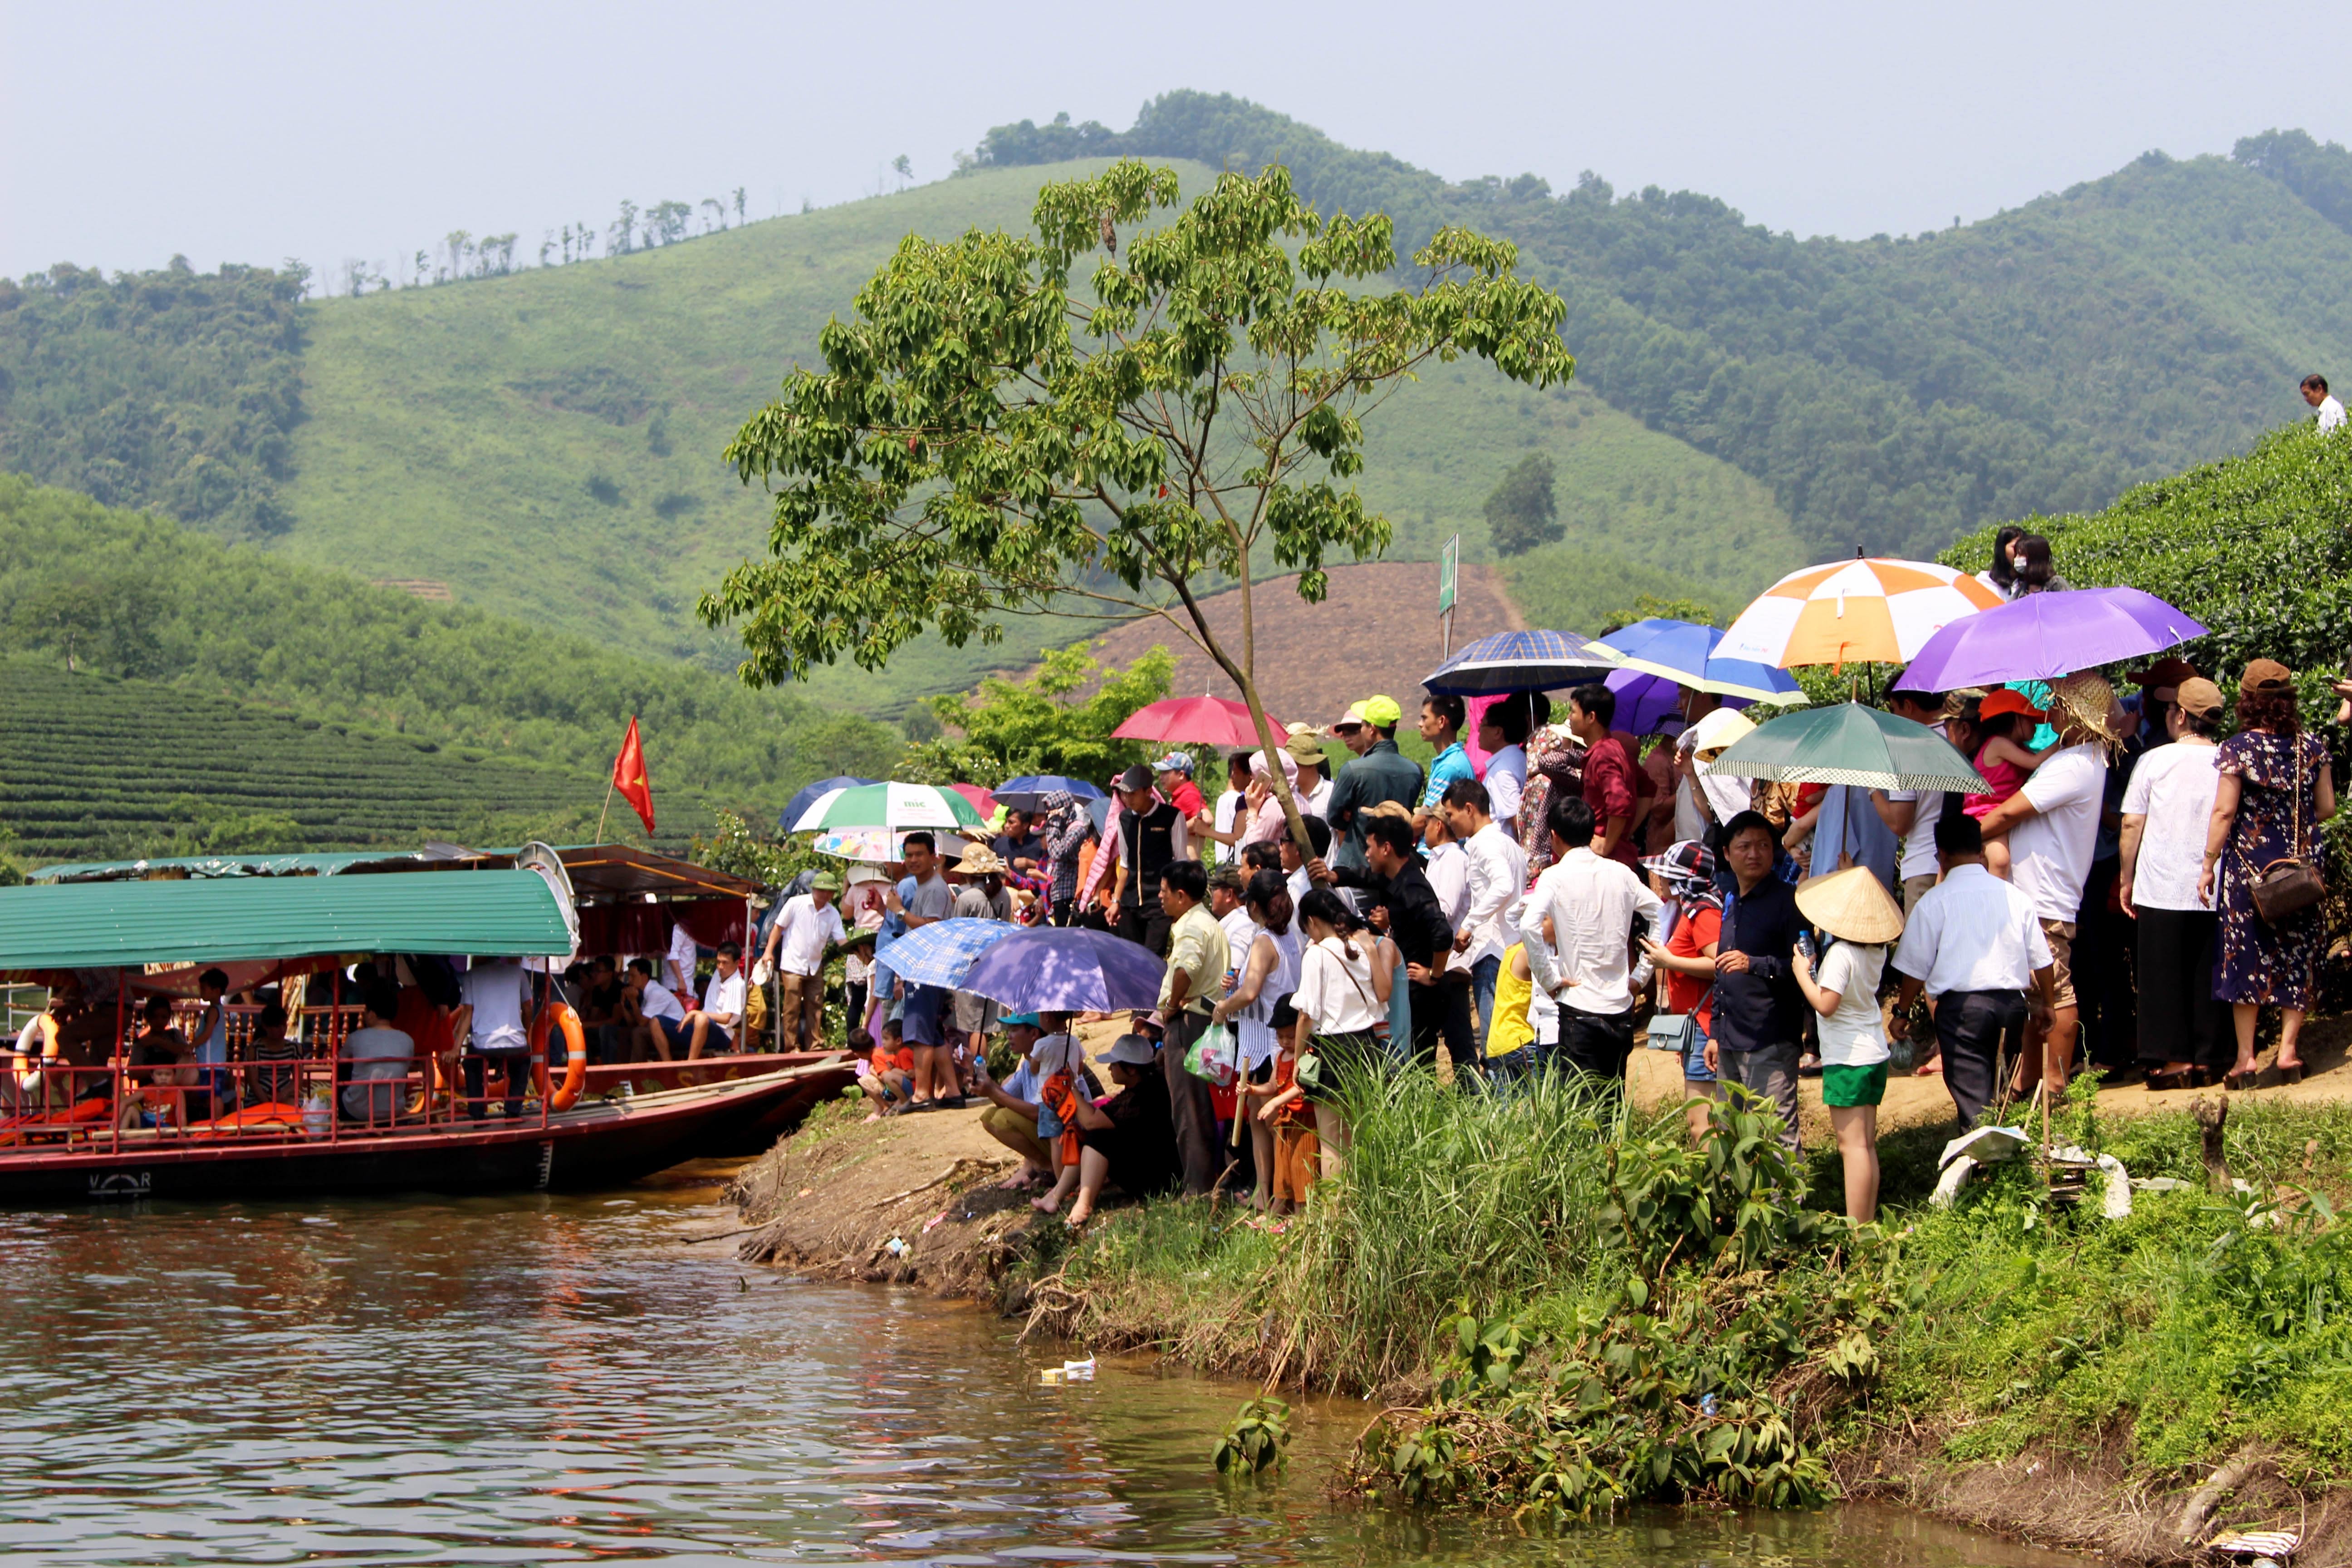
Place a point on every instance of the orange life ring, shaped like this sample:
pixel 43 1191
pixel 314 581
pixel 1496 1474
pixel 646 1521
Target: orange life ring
pixel 576 1066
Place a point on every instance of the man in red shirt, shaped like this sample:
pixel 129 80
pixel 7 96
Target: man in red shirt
pixel 1609 787
pixel 1177 788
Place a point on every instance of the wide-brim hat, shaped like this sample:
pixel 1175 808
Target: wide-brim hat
pixel 979 860
pixel 824 883
pixel 1306 745
pixel 1132 1050
pixel 1721 729
pixel 1852 905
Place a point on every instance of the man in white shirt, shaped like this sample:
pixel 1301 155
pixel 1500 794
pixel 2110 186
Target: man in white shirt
pixel 807 928
pixel 1910 815
pixel 2331 411
pixel 678 968
pixel 490 1002
pixel 1499 876
pixel 711 1026
pixel 1591 904
pixel 1503 731
pixel 1975 945
pixel 2168 808
pixel 658 1010
pixel 1225 885
pixel 2053 823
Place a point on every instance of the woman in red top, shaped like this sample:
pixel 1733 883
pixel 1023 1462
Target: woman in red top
pixel 1685 877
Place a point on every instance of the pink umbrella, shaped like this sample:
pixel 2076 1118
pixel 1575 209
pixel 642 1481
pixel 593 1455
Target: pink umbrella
pixel 1197 721
pixel 982 801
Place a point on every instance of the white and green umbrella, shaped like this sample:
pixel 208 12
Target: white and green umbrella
pixel 893 807
pixel 1847 743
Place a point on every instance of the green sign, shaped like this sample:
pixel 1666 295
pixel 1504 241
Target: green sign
pixel 1449 573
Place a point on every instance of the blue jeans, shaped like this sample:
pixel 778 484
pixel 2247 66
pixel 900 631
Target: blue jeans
pixel 1483 976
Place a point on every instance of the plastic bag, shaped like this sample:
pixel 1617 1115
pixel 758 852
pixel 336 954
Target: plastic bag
pixel 1213 1055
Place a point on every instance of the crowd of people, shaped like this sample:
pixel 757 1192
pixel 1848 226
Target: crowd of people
pixel 1563 893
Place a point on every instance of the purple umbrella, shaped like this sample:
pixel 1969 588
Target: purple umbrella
pixel 2045 636
pixel 1651 704
pixel 1066 970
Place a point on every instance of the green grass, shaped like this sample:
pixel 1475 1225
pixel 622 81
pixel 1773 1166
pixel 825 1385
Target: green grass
pixel 454 435
pixel 92 766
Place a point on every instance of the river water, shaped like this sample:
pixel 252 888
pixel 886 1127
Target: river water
pixel 549 1379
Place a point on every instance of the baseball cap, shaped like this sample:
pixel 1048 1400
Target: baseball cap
pixel 1353 719
pixel 1173 762
pixel 1381 712
pixel 1028 1019
pixel 2006 701
pixel 2163 672
pixel 1132 1050
pixel 824 883
pixel 2266 675
pixel 1135 778
pixel 2198 696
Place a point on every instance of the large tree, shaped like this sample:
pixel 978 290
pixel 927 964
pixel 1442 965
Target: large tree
pixel 987 440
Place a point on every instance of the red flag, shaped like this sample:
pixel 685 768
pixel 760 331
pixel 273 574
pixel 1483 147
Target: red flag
pixel 629 775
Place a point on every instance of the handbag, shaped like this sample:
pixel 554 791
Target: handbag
pixel 1675 1032
pixel 2290 885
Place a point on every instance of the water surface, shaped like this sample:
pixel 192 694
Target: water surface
pixel 546 1379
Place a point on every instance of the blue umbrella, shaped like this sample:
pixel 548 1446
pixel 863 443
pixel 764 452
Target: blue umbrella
pixel 808 797
pixel 1684 654
pixel 939 954
pixel 1052 968
pixel 1028 791
pixel 1522 661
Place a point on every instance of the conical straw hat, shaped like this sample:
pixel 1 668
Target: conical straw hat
pixel 1853 905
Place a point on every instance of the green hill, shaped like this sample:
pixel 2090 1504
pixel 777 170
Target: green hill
pixel 95 766
pixel 135 595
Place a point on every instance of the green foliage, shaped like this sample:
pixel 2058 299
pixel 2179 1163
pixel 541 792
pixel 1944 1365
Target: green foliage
pixel 1255 1442
pixel 155 600
pixel 734 848
pixel 172 390
pixel 1650 606
pixel 1739 1196
pixel 93 767
pixel 985 440
pixel 1890 392
pixel 1521 513
pixel 1049 723
pixel 2318 172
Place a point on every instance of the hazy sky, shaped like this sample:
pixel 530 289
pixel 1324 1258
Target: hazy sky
pixel 264 129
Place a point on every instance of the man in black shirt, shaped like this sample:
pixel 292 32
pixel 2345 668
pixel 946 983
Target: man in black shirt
pixel 1417 924
pixel 1758 1013
pixel 1147 836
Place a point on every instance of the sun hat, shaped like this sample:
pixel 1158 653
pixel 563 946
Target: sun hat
pixel 979 860
pixel 1300 727
pixel 1852 904
pixel 2198 696
pixel 1381 712
pixel 1135 778
pixel 1173 762
pixel 2167 671
pixel 2083 704
pixel 1685 860
pixel 2265 675
pixel 2009 701
pixel 1306 745
pixel 824 883
pixel 1721 729
pixel 1132 1050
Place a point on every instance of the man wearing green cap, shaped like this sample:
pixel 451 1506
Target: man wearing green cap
pixel 1379 772
pixel 809 928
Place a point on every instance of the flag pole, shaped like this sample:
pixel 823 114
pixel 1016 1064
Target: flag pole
pixel 609 787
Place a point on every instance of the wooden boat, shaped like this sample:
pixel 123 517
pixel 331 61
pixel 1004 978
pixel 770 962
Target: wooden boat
pixel 147 929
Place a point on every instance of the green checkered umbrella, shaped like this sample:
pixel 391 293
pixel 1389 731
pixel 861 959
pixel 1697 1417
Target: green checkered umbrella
pixel 1848 743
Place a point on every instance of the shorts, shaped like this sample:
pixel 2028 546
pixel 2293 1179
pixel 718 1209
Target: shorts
pixel 715 1039
pixel 921 1024
pixel 2059 935
pixel 1338 1056
pixel 675 1031
pixel 1694 1067
pixel 1850 1086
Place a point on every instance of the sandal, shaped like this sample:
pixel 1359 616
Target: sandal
pixel 2170 1078
pixel 2291 1073
pixel 2246 1080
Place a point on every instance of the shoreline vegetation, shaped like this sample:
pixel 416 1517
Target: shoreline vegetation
pixel 1562 1307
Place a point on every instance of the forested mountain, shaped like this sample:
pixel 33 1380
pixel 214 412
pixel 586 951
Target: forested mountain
pixel 131 594
pixel 1891 392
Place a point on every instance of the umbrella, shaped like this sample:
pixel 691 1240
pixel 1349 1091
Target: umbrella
pixel 1195 720
pixel 808 797
pixel 2046 636
pixel 1847 743
pixel 1854 612
pixel 1098 812
pixel 1051 969
pixel 1521 661
pixel 880 847
pixel 896 806
pixel 939 954
pixel 982 800
pixel 1687 654
pixel 1028 791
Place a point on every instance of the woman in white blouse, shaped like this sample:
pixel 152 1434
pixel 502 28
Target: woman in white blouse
pixel 1342 1016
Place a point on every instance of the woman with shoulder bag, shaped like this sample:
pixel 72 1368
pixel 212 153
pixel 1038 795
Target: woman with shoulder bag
pixel 1340 1015
pixel 2262 850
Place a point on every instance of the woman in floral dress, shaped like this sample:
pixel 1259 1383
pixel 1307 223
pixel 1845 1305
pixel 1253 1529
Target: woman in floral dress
pixel 2277 788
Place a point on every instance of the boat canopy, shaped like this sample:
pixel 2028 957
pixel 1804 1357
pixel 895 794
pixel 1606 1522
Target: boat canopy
pixel 179 924
pixel 599 872
pixel 203 866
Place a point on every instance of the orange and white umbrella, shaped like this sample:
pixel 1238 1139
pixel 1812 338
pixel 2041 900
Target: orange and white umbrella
pixel 1860 611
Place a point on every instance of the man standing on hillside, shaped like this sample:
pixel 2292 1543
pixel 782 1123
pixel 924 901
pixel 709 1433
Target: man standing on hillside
pixel 1609 787
pixel 1378 772
pixel 2331 411
pixel 809 927
pixel 1440 725
pixel 1148 835
pixel 928 901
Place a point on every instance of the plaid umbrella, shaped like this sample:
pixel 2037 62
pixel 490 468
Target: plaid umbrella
pixel 1522 661
pixel 939 954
